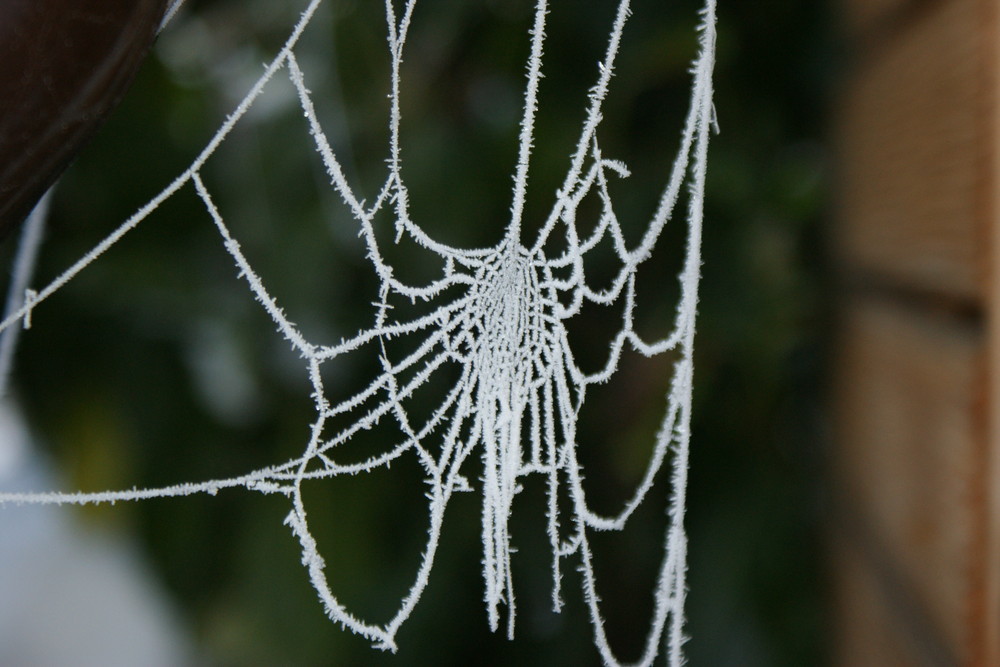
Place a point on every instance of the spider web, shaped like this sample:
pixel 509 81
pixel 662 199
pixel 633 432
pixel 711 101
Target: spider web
pixel 499 315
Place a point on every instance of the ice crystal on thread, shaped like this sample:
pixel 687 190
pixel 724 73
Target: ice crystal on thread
pixel 498 314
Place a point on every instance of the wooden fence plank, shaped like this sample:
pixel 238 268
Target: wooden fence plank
pixel 913 143
pixel 908 440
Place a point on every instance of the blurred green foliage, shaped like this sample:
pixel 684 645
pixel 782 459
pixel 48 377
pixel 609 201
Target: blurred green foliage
pixel 156 366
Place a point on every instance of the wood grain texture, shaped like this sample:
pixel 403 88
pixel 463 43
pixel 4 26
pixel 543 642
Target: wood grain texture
pixel 866 632
pixel 912 143
pixel 908 445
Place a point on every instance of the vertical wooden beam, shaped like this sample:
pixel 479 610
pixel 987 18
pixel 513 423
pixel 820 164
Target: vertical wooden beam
pixel 917 391
pixel 989 196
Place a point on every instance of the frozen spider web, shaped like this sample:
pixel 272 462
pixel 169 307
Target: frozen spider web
pixel 497 314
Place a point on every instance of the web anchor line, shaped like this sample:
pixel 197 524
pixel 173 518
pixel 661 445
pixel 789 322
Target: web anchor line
pixel 500 315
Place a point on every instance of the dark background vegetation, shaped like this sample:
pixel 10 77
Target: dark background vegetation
pixel 156 366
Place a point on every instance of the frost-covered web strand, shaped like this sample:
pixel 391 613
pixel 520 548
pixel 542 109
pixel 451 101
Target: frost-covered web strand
pixel 500 315
pixel 18 294
pixel 168 15
pixel 527 136
pixel 133 221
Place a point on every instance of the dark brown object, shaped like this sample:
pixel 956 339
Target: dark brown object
pixel 64 65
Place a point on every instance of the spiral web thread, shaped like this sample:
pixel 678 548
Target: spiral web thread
pixel 519 390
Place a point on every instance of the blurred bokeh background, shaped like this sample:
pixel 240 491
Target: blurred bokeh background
pixel 156 366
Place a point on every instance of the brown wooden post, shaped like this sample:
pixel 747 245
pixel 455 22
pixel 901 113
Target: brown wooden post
pixel 916 540
pixel 990 604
